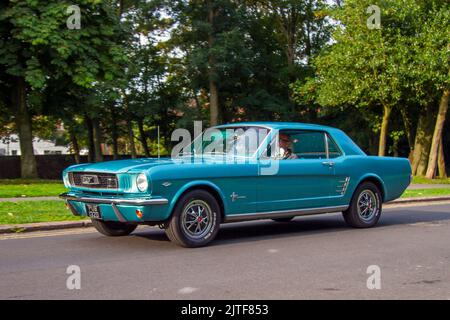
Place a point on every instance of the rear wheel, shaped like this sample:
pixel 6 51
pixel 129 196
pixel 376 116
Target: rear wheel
pixel 195 220
pixel 365 207
pixel 113 228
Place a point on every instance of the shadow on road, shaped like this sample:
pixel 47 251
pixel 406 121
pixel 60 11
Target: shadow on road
pixel 312 225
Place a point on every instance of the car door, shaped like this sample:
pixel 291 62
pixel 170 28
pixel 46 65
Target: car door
pixel 303 182
pixel 341 178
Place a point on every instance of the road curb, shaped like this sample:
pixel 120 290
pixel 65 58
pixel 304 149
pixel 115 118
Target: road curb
pixel 419 199
pixel 45 226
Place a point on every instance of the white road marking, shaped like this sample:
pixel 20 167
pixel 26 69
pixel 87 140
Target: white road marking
pixel 272 250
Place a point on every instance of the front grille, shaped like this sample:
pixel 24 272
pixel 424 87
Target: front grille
pixel 93 180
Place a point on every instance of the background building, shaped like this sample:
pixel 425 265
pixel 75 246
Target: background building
pixel 10 146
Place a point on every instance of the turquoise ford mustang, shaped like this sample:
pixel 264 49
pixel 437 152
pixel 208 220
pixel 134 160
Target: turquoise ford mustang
pixel 237 172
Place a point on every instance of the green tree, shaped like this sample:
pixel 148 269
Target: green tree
pixel 36 45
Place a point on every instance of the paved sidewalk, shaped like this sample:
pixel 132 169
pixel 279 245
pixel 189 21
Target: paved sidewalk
pixel 28 199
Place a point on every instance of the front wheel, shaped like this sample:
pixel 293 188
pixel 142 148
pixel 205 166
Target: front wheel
pixel 195 220
pixel 365 207
pixel 113 228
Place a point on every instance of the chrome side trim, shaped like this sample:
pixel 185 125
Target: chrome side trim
pixel 282 213
pixel 138 202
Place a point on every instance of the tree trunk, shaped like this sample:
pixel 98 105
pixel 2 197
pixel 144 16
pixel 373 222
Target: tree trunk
pixel 213 89
pixel 424 135
pixel 214 103
pixel 437 135
pixel 129 120
pixel 75 146
pixel 131 138
pixel 114 134
pixel 441 161
pixel 384 130
pixel 143 137
pixel 28 167
pixel 91 147
pixel 408 130
pixel 97 135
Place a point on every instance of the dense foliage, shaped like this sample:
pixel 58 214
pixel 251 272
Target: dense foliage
pixel 135 66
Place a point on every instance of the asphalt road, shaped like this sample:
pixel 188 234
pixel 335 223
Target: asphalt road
pixel 311 257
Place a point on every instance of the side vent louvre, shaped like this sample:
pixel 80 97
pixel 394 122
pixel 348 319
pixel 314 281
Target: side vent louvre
pixel 342 186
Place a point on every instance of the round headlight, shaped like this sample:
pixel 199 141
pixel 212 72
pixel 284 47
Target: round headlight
pixel 142 182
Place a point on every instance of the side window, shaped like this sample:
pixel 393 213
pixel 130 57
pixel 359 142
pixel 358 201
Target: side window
pixel 309 145
pixel 333 149
pixel 301 144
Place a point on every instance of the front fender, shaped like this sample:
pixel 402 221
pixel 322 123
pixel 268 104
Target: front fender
pixel 193 184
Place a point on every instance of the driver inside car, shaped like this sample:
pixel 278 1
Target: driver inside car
pixel 285 147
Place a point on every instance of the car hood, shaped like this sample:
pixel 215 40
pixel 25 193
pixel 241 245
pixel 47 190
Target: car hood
pixel 141 164
pixel 122 166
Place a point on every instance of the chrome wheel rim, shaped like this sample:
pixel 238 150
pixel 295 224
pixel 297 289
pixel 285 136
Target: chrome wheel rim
pixel 368 205
pixel 197 219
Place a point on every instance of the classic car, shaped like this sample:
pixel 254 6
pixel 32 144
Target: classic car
pixel 293 169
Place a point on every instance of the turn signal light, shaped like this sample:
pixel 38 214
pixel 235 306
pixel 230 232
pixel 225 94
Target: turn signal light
pixel 139 213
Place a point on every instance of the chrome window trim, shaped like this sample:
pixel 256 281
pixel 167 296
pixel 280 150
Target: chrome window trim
pixel 330 138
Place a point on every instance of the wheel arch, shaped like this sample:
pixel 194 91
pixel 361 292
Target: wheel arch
pixel 208 186
pixel 375 179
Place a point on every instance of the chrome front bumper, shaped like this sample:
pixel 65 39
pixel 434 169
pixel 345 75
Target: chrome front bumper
pixel 111 201
pixel 106 200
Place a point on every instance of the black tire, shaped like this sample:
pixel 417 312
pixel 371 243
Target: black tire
pixel 113 228
pixel 186 219
pixel 369 200
pixel 287 219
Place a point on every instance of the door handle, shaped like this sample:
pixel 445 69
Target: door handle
pixel 328 163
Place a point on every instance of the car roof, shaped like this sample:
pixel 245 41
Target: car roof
pixel 345 142
pixel 278 125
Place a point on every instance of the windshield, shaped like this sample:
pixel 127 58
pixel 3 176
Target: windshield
pixel 241 141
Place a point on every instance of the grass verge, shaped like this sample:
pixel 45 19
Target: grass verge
pixel 34 211
pixel 426 193
pixel 22 188
pixel 423 180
